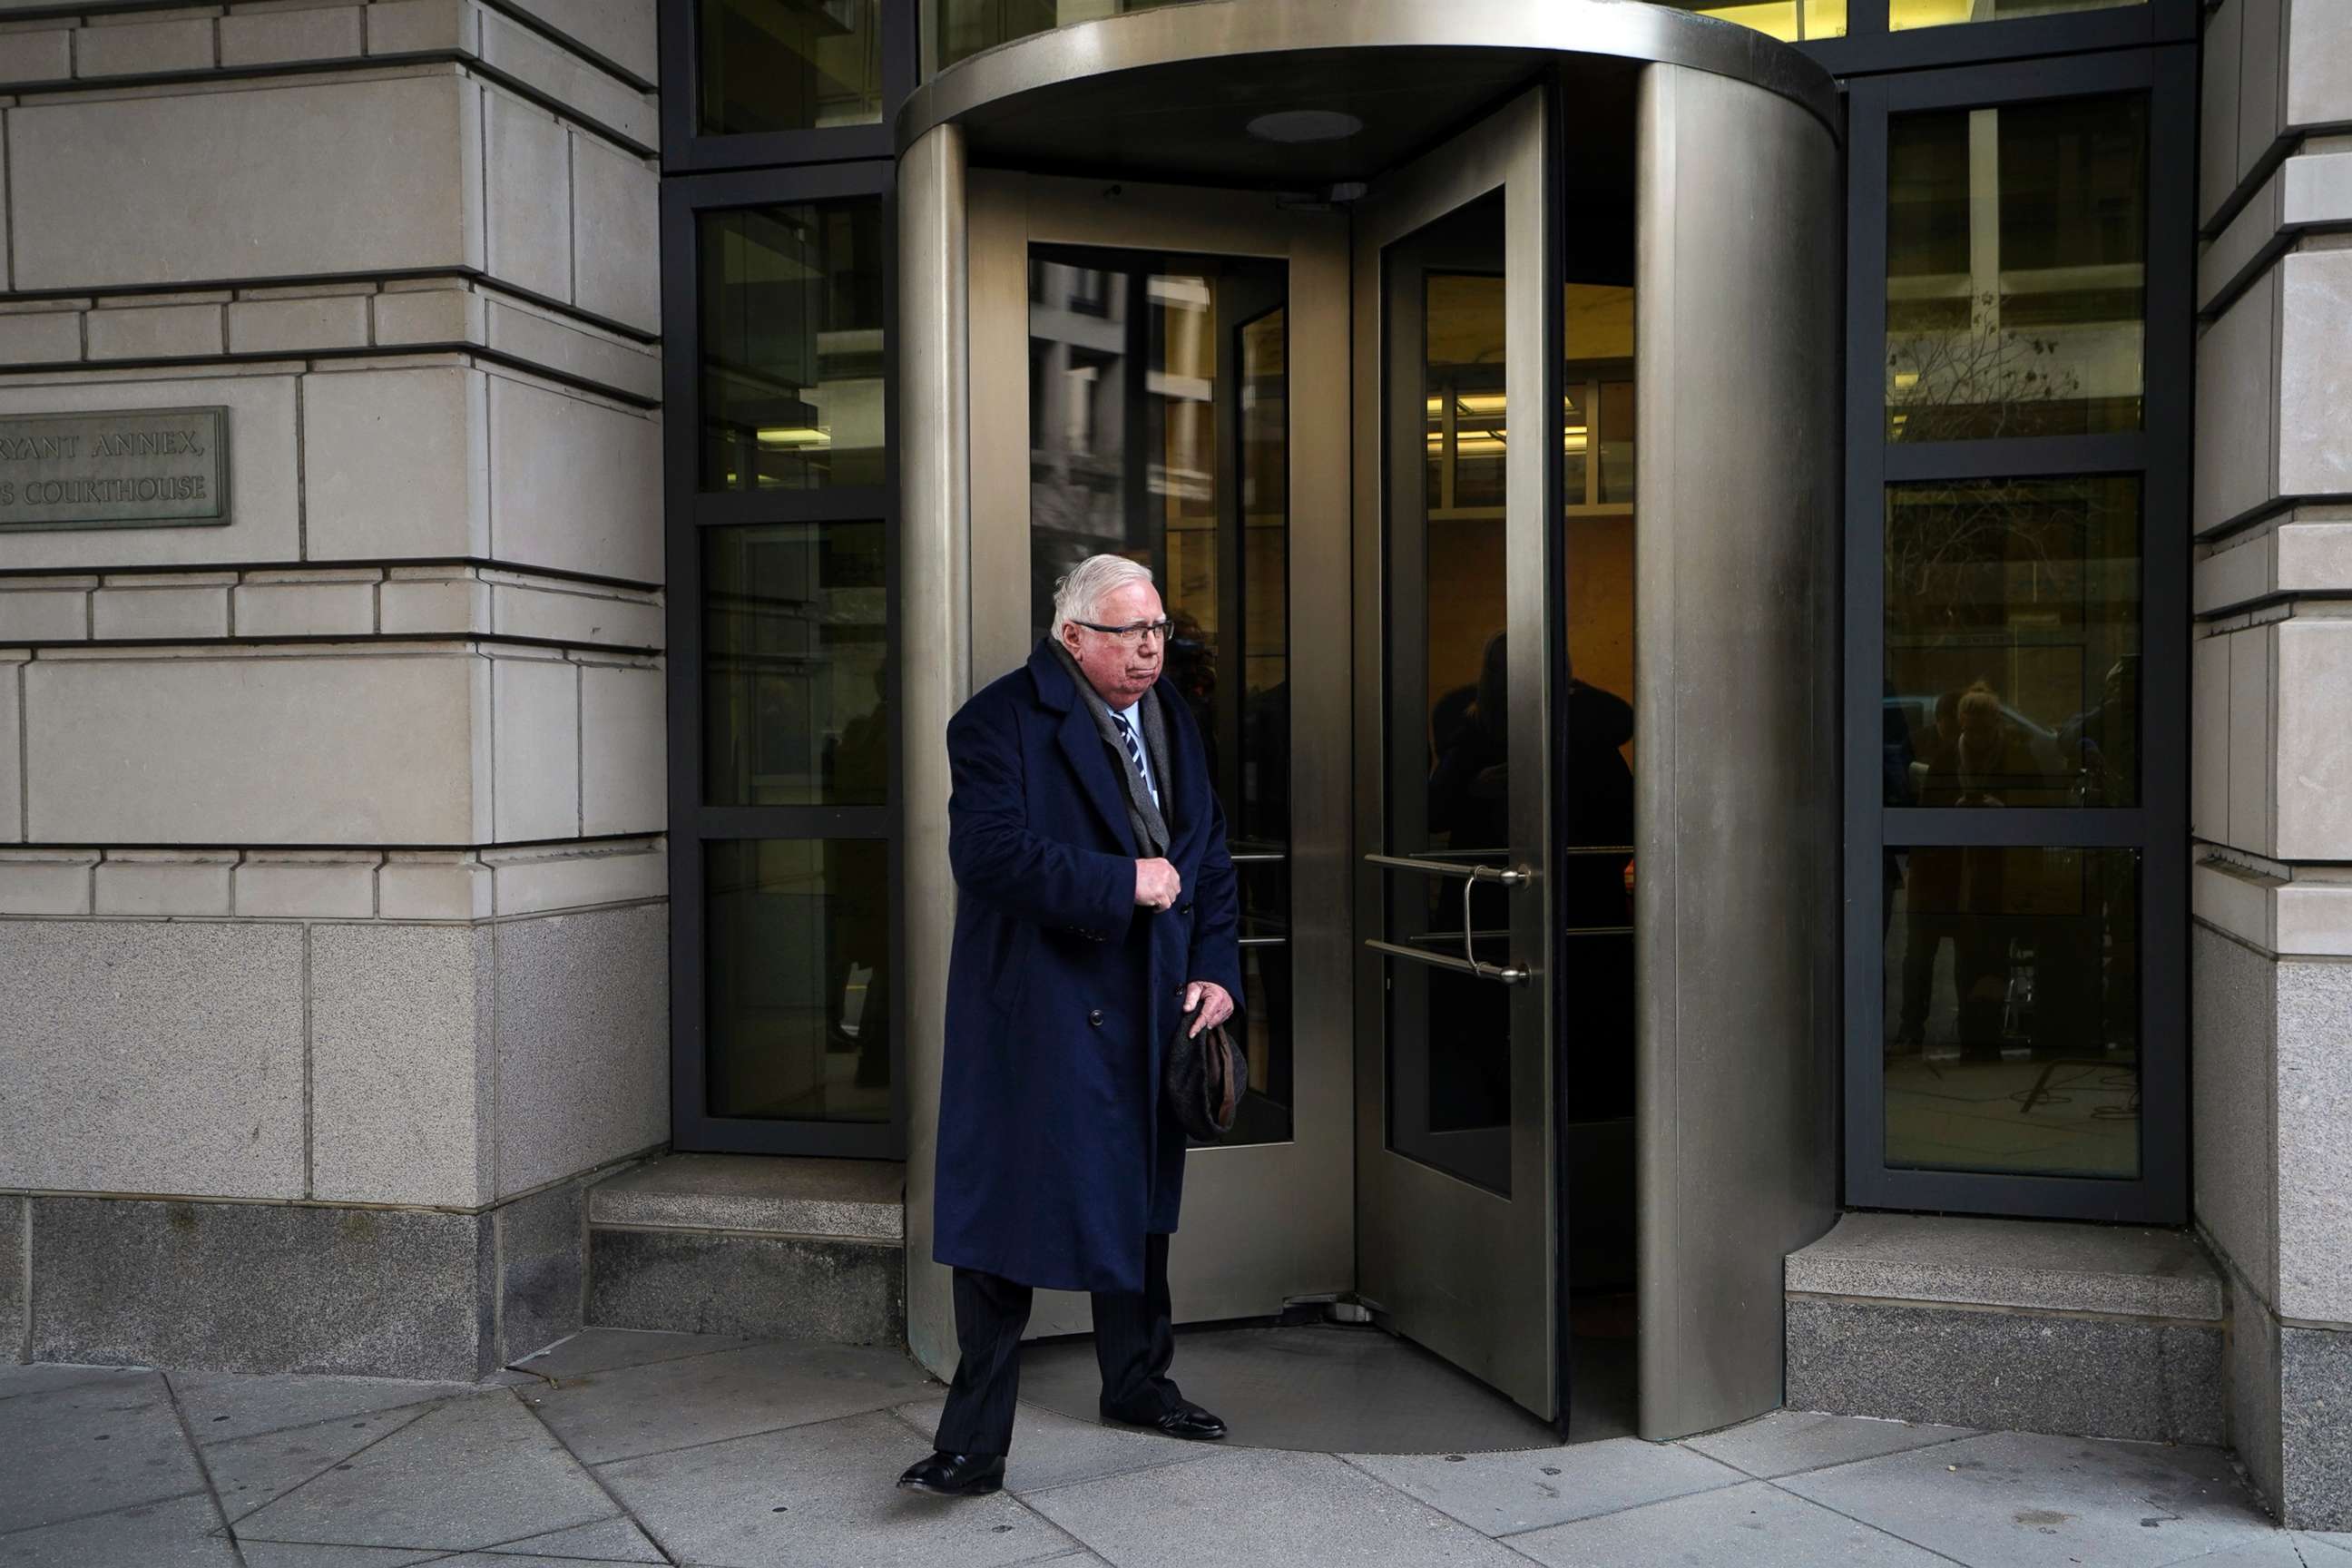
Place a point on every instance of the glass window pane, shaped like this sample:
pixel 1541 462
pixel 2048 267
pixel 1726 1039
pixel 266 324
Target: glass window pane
pixel 1448 786
pixel 1905 13
pixel 789 65
pixel 791 345
pixel 1160 429
pixel 2012 1011
pixel 1468 413
pixel 795 709
pixel 2013 643
pixel 2016 269
pixel 797 945
pixel 1792 21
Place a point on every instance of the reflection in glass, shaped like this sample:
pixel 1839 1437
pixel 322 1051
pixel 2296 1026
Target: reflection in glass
pixel 791 345
pixel 1160 429
pixel 968 26
pixel 1616 441
pixel 1790 21
pixel 789 65
pixel 2016 269
pixel 1906 14
pixel 797 946
pixel 1451 794
pixel 2012 1011
pixel 794 650
pixel 2013 643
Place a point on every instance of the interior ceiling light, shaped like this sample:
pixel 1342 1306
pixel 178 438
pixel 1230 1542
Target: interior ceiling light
pixel 1295 125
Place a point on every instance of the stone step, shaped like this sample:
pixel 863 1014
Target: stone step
pixel 745 1243
pixel 2082 1329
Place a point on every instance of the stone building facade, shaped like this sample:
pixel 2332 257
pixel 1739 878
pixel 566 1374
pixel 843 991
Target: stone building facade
pixel 332 876
pixel 2271 734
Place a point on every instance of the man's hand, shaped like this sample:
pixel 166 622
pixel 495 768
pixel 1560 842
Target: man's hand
pixel 1156 885
pixel 1211 998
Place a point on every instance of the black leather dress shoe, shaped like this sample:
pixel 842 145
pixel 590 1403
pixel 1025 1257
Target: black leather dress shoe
pixel 1189 1422
pixel 956 1475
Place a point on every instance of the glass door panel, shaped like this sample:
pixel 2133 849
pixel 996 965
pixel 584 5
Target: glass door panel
pixel 1456 1169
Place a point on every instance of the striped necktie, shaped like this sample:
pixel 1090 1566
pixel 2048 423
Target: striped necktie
pixel 1135 755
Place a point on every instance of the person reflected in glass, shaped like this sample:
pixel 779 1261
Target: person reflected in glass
pixel 861 944
pixel 1470 788
pixel 1192 675
pixel 2104 739
pixel 1597 789
pixel 1470 805
pixel 1930 890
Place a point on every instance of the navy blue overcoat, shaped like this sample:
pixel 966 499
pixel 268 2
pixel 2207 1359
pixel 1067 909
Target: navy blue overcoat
pixel 1055 1157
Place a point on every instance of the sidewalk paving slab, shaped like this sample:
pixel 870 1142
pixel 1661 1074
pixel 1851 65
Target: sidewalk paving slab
pixel 602 1350
pixel 249 1473
pixel 286 1555
pixel 607 1540
pixel 819 1494
pixel 224 1404
pixel 46 1378
pixel 179 1532
pixel 93 1448
pixel 709 1451
pixel 658 1405
pixel 2019 1499
pixel 1790 1441
pixel 2281 1550
pixel 474 1472
pixel 1054 1450
pixel 1249 1508
pixel 1752 1525
pixel 1499 1494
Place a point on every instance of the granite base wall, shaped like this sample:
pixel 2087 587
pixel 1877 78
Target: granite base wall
pixel 13 1314
pixel 822 1290
pixel 307 1287
pixel 2144 1379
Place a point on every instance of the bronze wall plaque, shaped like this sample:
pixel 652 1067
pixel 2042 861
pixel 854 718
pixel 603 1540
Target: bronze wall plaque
pixel 114 468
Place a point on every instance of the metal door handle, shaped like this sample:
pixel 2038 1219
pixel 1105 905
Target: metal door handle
pixel 1507 877
pixel 1507 975
pixel 1511 877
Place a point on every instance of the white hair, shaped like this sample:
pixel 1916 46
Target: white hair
pixel 1079 596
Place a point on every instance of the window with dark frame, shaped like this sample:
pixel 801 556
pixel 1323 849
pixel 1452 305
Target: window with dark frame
pixel 2017 350
pixel 782 528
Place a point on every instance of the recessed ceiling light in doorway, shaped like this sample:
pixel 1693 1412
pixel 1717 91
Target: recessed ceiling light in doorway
pixel 1292 125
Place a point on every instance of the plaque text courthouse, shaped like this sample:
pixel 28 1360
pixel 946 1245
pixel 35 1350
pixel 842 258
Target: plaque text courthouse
pixel 126 467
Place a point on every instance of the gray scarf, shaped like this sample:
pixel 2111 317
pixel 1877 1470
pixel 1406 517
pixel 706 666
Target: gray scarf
pixel 1147 820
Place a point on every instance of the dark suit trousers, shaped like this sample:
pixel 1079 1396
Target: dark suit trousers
pixel 1133 1345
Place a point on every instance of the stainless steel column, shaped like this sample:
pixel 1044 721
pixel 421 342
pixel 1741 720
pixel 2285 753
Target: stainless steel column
pixel 932 438
pixel 1735 866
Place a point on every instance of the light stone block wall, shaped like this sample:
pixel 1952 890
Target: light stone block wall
pixel 2271 728
pixel 332 868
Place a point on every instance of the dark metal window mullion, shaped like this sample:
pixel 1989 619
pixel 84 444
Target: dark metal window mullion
pixel 2158 456
pixel 1867 869
pixel 681 435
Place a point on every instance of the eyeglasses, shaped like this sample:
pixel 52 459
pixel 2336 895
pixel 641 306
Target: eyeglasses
pixel 1132 635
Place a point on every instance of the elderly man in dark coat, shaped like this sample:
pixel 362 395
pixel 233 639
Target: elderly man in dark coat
pixel 1098 908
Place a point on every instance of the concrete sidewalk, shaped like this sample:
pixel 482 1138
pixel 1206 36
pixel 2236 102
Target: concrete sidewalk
pixel 644 1448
